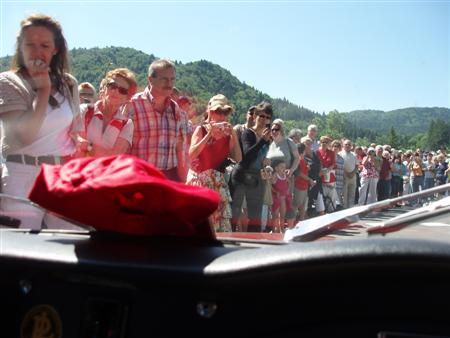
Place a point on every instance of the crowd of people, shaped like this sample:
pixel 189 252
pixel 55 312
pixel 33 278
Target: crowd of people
pixel 268 178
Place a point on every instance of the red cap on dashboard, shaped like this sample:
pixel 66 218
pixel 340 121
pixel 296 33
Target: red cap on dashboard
pixel 124 194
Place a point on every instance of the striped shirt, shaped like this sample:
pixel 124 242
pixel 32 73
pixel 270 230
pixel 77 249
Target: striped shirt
pixel 156 133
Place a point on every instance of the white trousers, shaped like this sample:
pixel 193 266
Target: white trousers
pixel 18 180
pixel 368 191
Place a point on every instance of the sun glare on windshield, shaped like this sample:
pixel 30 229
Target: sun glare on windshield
pixel 238 120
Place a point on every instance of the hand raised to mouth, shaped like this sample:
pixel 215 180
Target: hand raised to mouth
pixel 39 73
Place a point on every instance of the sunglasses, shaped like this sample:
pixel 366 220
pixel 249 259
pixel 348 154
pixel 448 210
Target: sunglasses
pixel 224 112
pixel 86 94
pixel 115 86
pixel 267 117
pixel 275 129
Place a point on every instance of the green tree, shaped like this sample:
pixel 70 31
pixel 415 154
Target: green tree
pixel 393 138
pixel 202 79
pixel 418 141
pixel 362 141
pixel 438 134
pixel 335 125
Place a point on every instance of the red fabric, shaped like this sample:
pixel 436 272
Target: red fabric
pixel 212 155
pixel 119 124
pixel 328 159
pixel 280 191
pixel 300 182
pixel 88 117
pixel 124 194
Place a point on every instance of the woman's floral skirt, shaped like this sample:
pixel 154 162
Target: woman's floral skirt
pixel 215 180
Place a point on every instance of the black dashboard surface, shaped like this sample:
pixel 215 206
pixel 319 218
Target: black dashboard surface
pixel 127 287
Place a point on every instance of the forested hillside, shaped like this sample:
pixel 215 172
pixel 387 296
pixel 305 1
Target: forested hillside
pixel 407 121
pixel 407 127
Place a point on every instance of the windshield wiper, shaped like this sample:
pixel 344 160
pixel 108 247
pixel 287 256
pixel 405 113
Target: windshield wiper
pixel 401 221
pixel 314 228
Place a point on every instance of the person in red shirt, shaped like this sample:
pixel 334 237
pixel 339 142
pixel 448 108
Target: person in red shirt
pixel 160 126
pixel 302 182
pixel 328 160
pixel 213 144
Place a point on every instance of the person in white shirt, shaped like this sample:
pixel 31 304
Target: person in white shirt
pixel 312 134
pixel 350 172
pixel 39 103
pixel 107 129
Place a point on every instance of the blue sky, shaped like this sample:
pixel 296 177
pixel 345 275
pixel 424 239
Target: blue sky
pixel 322 55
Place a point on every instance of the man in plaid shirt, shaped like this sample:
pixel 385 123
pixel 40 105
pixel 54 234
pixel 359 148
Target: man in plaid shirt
pixel 159 124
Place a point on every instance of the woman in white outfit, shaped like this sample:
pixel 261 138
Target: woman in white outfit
pixel 38 103
pixel 106 127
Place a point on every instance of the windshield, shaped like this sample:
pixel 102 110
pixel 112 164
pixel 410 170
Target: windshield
pixel 301 117
pixel 25 215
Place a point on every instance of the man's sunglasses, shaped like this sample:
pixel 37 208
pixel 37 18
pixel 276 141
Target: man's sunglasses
pixel 121 90
pixel 265 116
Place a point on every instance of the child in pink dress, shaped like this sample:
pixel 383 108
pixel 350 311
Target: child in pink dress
pixel 282 199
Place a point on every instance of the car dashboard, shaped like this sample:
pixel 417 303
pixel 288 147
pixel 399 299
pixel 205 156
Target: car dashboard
pixel 84 285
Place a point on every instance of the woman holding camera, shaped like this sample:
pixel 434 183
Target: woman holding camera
pixel 369 179
pixel 212 145
pixel 246 176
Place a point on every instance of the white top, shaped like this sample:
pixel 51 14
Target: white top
pixel 53 138
pixel 119 126
pixel 349 160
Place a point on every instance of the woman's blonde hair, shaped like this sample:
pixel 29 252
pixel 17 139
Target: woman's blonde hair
pixel 123 73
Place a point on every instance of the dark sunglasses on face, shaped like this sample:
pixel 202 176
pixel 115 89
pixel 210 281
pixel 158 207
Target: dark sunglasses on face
pixel 121 90
pixel 275 129
pixel 225 112
pixel 267 117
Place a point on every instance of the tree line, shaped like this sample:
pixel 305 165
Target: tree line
pixel 407 128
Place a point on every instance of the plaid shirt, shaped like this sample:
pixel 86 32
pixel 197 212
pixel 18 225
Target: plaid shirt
pixel 156 133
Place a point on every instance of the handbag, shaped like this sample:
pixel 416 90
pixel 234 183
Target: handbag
pixel 241 175
pixel 250 180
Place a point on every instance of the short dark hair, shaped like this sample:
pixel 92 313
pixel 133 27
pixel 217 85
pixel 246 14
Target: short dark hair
pixel 301 148
pixel 264 107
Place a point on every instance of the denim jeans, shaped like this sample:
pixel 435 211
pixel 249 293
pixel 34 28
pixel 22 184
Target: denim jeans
pixel 417 183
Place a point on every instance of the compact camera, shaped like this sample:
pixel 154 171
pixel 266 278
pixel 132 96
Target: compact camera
pixel 268 169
